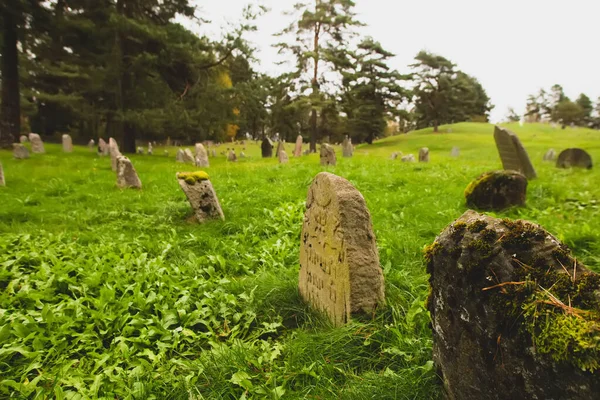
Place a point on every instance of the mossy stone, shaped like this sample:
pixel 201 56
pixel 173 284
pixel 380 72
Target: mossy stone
pixel 497 190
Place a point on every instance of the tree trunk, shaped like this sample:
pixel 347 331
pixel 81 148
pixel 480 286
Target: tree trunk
pixel 435 126
pixel 10 114
pixel 313 131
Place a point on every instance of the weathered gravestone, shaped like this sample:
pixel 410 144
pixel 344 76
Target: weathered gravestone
pixel 2 182
pixel 424 154
pixel 455 152
pixel 126 175
pixel 91 144
pixel 103 149
pixel 188 157
pixel 283 157
pixel 140 150
pixel 514 314
pixel 328 155
pixel 512 153
pixel 497 190
pixel 113 149
pixel 395 155
pixel 150 148
pixel 550 155
pixel 408 158
pixel 574 158
pixel 23 139
pixel 280 148
pixel 347 149
pixel 67 143
pixel 37 146
pixel 201 195
pixel 339 263
pixel 298 148
pixel 201 156
pixel 179 157
pixel 266 148
pixel 231 156
pixel 20 152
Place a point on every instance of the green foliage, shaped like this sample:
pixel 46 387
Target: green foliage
pixel 193 177
pixel 567 113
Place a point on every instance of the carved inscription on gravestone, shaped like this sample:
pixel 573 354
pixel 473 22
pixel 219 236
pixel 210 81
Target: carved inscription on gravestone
pixel 339 264
pixel 512 153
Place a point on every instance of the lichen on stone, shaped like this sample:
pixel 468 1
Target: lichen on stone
pixel 192 177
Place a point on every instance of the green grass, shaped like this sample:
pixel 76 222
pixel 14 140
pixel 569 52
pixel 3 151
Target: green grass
pixel 108 293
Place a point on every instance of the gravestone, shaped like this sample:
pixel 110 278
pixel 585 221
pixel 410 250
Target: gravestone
pixel 37 146
pixel 113 149
pixel 140 150
pixel 280 148
pixel 347 149
pixel 126 175
pixel 23 139
pixel 266 148
pixel 574 158
pixel 91 144
pixel 201 195
pixel 395 155
pixel 188 157
pixel 512 153
pixel 242 155
pixel 550 155
pixel 424 154
pixel 283 157
pixel 2 182
pixel 328 155
pixel 67 143
pixel 298 148
pixel 179 157
pixel 20 152
pixel 102 147
pixel 513 313
pixel 339 263
pixel 231 156
pixel 214 153
pixel 497 190
pixel 408 158
pixel 150 148
pixel 201 156
pixel 455 152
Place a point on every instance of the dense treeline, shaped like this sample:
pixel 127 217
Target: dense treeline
pixel 124 68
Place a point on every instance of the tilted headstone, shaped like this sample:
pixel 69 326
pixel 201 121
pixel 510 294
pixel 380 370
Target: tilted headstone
pixel 150 148
pixel 298 148
pixel 201 195
pixel 113 148
pixel 126 175
pixel 574 158
pixel 455 152
pixel 514 314
pixel 20 152
pixel 424 154
pixel 23 139
pixel 550 155
pixel 347 149
pixel 497 190
pixel 2 182
pixel 37 146
pixel 188 157
pixel 266 148
pixel 91 144
pixel 280 148
pixel 408 158
pixel 201 156
pixel 283 157
pixel 328 155
pixel 67 143
pixel 512 153
pixel 339 263
pixel 231 156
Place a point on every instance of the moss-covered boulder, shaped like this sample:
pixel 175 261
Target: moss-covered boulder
pixel 514 315
pixel 497 190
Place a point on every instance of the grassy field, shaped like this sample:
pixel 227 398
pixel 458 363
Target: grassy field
pixel 108 293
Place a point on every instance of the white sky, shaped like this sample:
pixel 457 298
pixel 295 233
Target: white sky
pixel 514 47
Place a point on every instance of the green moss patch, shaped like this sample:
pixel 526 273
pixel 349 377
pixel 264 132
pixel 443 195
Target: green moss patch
pixel 192 177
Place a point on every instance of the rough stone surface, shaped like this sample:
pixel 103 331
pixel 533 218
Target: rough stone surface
pixel 231 156
pixel 512 153
pixel 424 154
pixel 499 291
pixel 408 158
pixel 455 152
pixel 266 148
pixel 67 143
pixel 283 157
pixel 20 152
pixel 497 191
pixel 188 157
pixel 203 199
pixel 113 149
pixel 347 148
pixel 298 148
pixel 574 158
pixel 328 155
pixel 201 156
pixel 339 263
pixel 550 155
pixel 126 175
pixel 2 182
pixel 23 139
pixel 37 146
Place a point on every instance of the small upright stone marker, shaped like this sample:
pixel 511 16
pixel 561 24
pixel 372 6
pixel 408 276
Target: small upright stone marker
pixel 201 195
pixel 395 155
pixel 214 153
pixel 20 152
pixel 550 155
pixel 126 175
pixel 231 156
pixel 179 157
pixel 103 148
pixel 67 143
pixel 91 144
pixel 37 146
pixel 23 139
pixel 140 150
pixel 455 152
pixel 280 148
pixel 2 182
pixel 283 157
pixel 150 148
pixel 266 148
pixel 574 158
pixel 424 154
pixel 347 149
pixel 512 153
pixel 328 155
pixel 298 148
pixel 113 148
pixel 188 157
pixel 339 263
pixel 201 157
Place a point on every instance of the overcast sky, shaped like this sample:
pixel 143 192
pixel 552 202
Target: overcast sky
pixel 514 47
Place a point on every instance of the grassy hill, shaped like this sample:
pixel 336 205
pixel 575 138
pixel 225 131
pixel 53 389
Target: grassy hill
pixel 111 293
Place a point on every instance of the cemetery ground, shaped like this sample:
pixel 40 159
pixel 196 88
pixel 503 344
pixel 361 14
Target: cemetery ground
pixel 113 293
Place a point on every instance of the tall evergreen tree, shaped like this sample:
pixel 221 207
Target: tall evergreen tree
pixel 587 108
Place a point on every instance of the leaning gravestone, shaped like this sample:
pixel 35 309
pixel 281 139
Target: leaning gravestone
pixel 37 146
pixel 339 263
pixel 497 190
pixel 424 154
pixel 455 152
pixel 514 314
pixel 347 149
pixel 201 156
pixel 179 157
pixel 550 155
pixel 2 182
pixel 67 143
pixel 188 157
pixel 20 152
pixel 328 155
pixel 280 148
pixel 113 148
pixel 266 148
pixel 201 195
pixel 126 175
pixel 512 153
pixel 283 157
pixel 23 139
pixel 574 158
pixel 231 156
pixel 298 148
